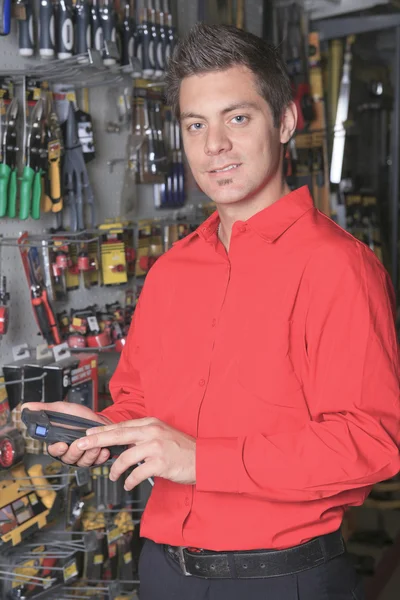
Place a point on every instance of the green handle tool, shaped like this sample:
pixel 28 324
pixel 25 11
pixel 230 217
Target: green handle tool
pixel 36 195
pixel 4 178
pixel 12 195
pixel 26 192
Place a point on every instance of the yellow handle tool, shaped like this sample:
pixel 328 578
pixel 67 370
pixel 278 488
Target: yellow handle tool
pixel 43 488
pixel 54 149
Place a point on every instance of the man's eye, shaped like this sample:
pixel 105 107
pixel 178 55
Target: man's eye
pixel 195 126
pixel 239 119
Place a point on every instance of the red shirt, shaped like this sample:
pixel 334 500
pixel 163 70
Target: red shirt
pixel 281 359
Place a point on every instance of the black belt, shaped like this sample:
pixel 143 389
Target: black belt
pixel 252 564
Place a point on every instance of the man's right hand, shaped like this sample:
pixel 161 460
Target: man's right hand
pixel 71 455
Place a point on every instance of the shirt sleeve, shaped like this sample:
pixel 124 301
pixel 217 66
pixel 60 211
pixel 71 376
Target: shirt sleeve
pixel 352 391
pixel 125 385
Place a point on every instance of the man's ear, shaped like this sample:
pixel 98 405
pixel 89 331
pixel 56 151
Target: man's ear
pixel 288 123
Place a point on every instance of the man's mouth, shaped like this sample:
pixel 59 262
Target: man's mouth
pixel 227 168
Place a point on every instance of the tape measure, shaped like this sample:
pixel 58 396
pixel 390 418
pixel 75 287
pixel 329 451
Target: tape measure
pixel 12 448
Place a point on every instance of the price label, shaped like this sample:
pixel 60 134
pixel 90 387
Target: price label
pixel 113 535
pixel 70 571
pixel 93 324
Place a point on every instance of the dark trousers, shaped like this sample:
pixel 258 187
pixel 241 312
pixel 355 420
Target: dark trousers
pixel 161 579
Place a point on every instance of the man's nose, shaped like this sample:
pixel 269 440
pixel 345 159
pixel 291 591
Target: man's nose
pixel 217 141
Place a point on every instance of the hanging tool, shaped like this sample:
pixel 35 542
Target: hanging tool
pixel 95 27
pixel 40 302
pixel 24 14
pixel 239 14
pixel 127 36
pixel 107 18
pixel 294 51
pixel 82 27
pixel 153 40
pixel 161 35
pixel 85 134
pixel 170 32
pixel 31 184
pixel 8 165
pixel 5 17
pixel 4 313
pixel 64 29
pixel 46 29
pixel 45 201
pixel 143 38
pixel 342 114
pixel 77 188
pixel 54 152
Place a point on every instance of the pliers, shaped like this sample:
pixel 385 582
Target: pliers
pixel 31 183
pixel 43 311
pixel 8 164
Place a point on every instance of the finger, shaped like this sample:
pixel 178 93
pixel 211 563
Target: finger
pixel 58 449
pixel 56 406
pixel 130 458
pixel 103 456
pixel 72 455
pixel 89 458
pixel 116 437
pixel 140 473
pixel 122 424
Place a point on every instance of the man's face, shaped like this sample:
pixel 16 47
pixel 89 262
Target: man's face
pixel 229 137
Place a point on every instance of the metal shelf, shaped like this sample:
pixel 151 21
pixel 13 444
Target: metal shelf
pixel 80 71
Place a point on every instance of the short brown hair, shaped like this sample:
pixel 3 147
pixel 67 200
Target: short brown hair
pixel 209 48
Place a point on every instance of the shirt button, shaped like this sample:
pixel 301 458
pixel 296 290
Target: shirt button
pixel 242 228
pixel 187 501
pixel 214 322
pixel 202 382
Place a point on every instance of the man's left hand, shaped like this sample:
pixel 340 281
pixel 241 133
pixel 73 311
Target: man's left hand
pixel 163 451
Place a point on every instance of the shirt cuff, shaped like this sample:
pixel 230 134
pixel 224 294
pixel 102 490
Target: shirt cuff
pixel 218 464
pixel 107 414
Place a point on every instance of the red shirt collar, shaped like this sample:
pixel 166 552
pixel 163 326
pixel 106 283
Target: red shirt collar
pixel 270 223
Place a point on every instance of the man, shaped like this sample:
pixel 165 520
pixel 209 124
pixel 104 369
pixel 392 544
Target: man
pixel 259 384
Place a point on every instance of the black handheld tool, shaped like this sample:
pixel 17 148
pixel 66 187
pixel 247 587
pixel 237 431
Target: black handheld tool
pixel 127 36
pixel 48 426
pixel 95 26
pixel 107 17
pixel 82 27
pixel 25 31
pixel 46 29
pixel 64 30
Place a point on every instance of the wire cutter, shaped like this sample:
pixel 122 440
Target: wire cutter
pixel 40 301
pixel 31 183
pixel 8 164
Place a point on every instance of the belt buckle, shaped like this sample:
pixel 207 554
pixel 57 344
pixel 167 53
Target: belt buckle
pixel 181 559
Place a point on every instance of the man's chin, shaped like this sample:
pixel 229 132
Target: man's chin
pixel 227 196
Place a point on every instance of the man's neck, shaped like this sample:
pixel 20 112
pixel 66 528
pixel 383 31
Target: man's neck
pixel 244 210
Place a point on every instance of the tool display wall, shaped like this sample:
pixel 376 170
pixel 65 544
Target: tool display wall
pixel 106 175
